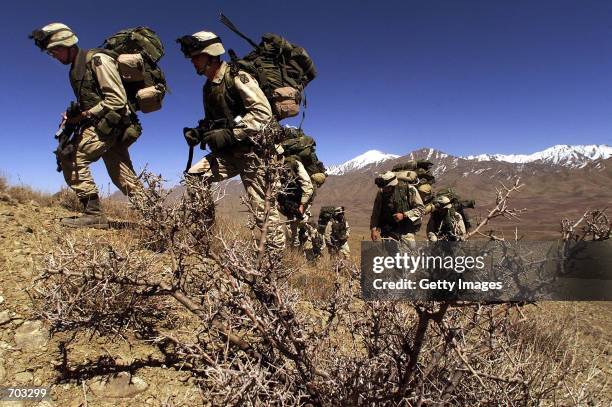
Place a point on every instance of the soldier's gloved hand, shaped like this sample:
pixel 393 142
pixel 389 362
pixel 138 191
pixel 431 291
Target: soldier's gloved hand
pixel 375 234
pixel 398 216
pixel 219 139
pixel 193 136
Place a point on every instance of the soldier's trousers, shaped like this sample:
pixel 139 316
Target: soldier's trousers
pixel 295 225
pixel 343 250
pixel 406 240
pixel 242 161
pixel 90 148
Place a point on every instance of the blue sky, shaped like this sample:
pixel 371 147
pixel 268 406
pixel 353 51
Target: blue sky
pixel 465 77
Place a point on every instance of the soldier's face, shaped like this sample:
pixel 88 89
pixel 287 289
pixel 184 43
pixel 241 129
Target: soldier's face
pixel 201 63
pixel 61 54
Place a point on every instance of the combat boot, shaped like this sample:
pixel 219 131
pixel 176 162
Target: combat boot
pixel 92 216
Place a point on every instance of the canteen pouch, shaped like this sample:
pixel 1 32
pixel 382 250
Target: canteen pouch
pixel 149 99
pixel 286 102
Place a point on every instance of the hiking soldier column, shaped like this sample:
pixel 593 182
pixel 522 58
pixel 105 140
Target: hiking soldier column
pixel 397 210
pixel 102 117
pixel 236 109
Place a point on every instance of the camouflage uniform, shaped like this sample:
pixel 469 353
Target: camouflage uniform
pixel 240 158
pixel 337 232
pixel 299 191
pixel 393 199
pixel 312 241
pixel 91 145
pixel 445 223
pixel 105 118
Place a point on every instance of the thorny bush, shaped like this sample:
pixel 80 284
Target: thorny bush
pixel 251 331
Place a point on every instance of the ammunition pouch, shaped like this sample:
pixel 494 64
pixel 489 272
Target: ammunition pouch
pixel 114 124
pixel 219 139
pixel 131 134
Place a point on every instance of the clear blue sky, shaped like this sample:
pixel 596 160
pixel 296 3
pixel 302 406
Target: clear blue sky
pixel 465 77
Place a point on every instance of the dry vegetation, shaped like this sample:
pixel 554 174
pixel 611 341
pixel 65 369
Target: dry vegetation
pixel 253 325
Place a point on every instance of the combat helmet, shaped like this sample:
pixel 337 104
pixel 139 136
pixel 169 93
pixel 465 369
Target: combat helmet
pixel 442 201
pixel 53 35
pixel 201 42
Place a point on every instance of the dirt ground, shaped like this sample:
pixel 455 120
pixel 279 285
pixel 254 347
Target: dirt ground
pixel 125 371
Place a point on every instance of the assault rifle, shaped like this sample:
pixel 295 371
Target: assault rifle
pixel 65 135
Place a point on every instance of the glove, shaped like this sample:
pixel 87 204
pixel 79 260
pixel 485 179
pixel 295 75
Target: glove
pixel 219 139
pixel 193 136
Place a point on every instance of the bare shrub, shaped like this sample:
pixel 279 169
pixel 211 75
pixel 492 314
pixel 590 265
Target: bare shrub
pixel 67 199
pixel 259 340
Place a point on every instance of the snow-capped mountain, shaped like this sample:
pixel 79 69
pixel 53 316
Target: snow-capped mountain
pixel 576 156
pixel 360 162
pixel 563 155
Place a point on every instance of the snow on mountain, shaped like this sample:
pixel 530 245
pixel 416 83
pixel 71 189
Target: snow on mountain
pixel 361 161
pixel 575 156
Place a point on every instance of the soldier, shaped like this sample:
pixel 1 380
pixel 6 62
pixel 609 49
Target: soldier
pixel 296 197
pixel 107 124
pixel 311 240
pixel 445 223
pixel 337 232
pixel 236 109
pixel 397 210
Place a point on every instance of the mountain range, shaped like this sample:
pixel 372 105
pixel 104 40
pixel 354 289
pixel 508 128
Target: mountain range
pixel 559 182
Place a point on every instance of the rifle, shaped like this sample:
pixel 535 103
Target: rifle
pixel 226 22
pixel 65 135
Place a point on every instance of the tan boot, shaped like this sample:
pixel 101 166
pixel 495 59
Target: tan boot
pixel 92 216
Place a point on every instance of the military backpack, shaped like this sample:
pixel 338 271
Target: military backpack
pixel 282 69
pixel 326 214
pixel 138 50
pixel 419 174
pixel 297 145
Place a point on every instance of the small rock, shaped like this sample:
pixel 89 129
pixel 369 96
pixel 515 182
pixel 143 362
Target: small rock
pixel 31 335
pixel 1 299
pixel 121 385
pixel 18 321
pixel 5 346
pixel 24 377
pixel 4 317
pixel 27 229
pixel 45 403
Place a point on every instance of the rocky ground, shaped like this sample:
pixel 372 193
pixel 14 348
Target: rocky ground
pixel 136 374
pixel 90 370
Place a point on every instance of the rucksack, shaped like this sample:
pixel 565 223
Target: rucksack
pixel 297 145
pixel 459 204
pixel 138 52
pixel 282 69
pixel 325 215
pixel 419 174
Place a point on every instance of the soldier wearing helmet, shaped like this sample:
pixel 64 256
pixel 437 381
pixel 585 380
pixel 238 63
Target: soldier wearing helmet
pixel 103 117
pixel 236 109
pixel 397 212
pixel 445 223
pixel 337 232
